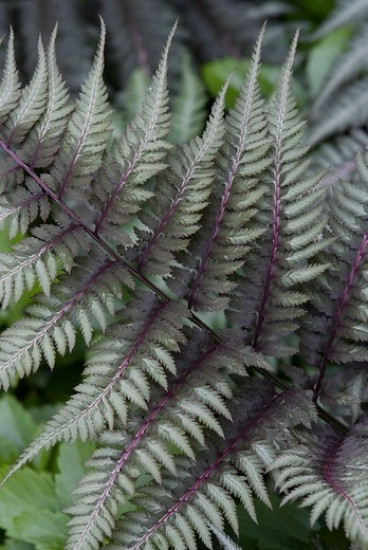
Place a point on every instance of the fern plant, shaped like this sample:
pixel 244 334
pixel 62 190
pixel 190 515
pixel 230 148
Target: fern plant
pixel 136 244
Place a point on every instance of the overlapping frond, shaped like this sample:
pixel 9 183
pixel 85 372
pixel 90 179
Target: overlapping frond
pixel 336 330
pixel 75 49
pixel 38 259
pixel 10 83
pixel 41 123
pixel 188 105
pixel 345 12
pixel 27 110
pixel 293 218
pixel 328 473
pixel 136 157
pixel 22 206
pixel 186 186
pixel 349 110
pixel 229 28
pixel 205 494
pixel 31 104
pixel 137 32
pixel 122 365
pixel 86 136
pixel 230 219
pixel 44 141
pixel 193 404
pixel 347 68
pixel 49 325
pixel 340 106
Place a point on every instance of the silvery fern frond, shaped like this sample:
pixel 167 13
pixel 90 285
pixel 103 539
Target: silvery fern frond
pixel 338 331
pixel 345 12
pixel 327 473
pixel 242 159
pixel 186 187
pixel 270 299
pixel 135 158
pixel 188 105
pixel 340 106
pixel 10 86
pixel 203 495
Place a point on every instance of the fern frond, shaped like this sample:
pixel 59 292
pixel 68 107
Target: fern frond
pixel 284 256
pixel 44 142
pixel 136 157
pixel 40 118
pixel 10 83
pixel 38 259
pixel 119 372
pixel 222 28
pixel 345 12
pixel 24 116
pixel 226 542
pixel 31 104
pixel 346 69
pixel 48 326
pixel 232 219
pixel 177 421
pixel 348 110
pixel 241 160
pixel 186 187
pixel 338 157
pixel 74 42
pixel 327 472
pixel 339 295
pixel 22 206
pixel 137 32
pixel 86 135
pixel 204 494
pixel 341 105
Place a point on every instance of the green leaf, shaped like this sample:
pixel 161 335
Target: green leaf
pixel 322 57
pixel 17 429
pixel 26 491
pixel 70 462
pixel 215 74
pixel 11 544
pixel 315 8
pixel 45 529
pixel 277 529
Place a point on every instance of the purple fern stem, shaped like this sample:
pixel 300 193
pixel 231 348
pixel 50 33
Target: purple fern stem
pixel 163 223
pixel 276 226
pixel 209 471
pixel 336 319
pixel 139 435
pixel 329 475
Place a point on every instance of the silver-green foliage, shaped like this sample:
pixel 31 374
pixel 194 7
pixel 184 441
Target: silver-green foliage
pixel 134 242
pixel 340 106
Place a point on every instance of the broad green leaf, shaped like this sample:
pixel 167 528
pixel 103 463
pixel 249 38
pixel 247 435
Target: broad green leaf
pixel 70 462
pixel 285 528
pixel 11 544
pixel 323 55
pixel 315 8
pixel 45 529
pixel 26 491
pixel 5 241
pixel 17 429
